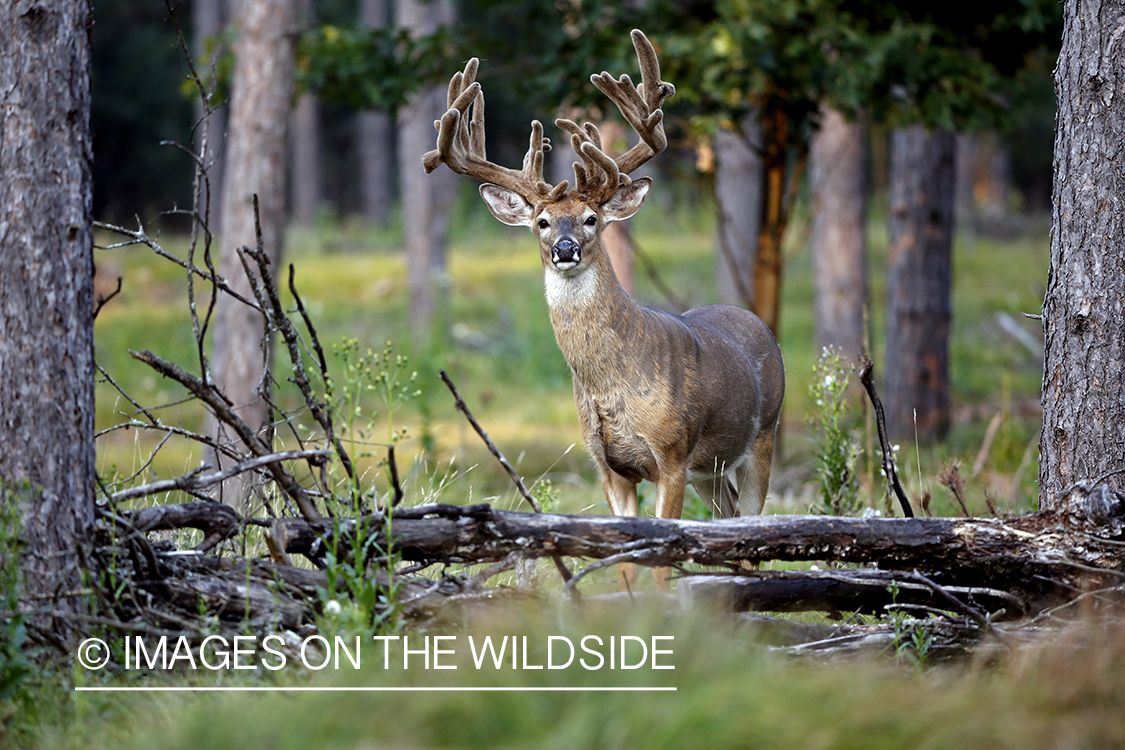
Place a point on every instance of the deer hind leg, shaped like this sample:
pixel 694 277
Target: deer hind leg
pixel 669 504
pixel 719 494
pixel 754 480
pixel 622 496
pixel 754 475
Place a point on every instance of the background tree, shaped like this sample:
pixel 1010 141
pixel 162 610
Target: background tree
pixel 46 297
pixel 208 19
pixel 1083 434
pixel 255 166
pixel 429 198
pixel 375 135
pixel 838 237
pixel 306 194
pixel 919 281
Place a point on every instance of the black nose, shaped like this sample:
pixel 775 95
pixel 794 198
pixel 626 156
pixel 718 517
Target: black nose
pixel 566 250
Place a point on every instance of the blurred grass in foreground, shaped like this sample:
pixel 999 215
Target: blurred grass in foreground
pixel 1069 693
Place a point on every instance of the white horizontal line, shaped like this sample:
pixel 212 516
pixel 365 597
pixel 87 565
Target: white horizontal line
pixel 269 689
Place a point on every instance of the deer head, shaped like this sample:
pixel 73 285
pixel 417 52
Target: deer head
pixel 568 223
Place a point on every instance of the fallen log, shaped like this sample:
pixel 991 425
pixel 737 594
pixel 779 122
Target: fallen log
pixel 867 591
pixel 1076 547
pixel 1021 565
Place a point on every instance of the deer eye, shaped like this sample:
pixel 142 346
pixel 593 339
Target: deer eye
pixel 591 221
pixel 543 224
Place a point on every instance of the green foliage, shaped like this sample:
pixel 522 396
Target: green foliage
pixel 15 666
pixel 368 68
pixel 837 452
pixel 912 643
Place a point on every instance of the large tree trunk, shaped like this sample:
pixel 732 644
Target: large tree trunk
pixel 1084 308
pixel 256 162
pixel 426 199
pixel 46 297
pixel 919 282
pixel 738 191
pixel 837 171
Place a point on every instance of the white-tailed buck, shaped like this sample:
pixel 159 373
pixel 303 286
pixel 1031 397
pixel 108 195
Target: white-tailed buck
pixel 674 399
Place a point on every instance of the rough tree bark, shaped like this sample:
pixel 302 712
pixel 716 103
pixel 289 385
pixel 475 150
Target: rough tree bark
pixel 256 163
pixel 46 296
pixel 839 232
pixel 426 199
pixel 919 282
pixel 1084 308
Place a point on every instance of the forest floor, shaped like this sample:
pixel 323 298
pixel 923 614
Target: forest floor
pixel 701 681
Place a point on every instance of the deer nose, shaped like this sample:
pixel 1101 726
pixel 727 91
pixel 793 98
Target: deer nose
pixel 566 250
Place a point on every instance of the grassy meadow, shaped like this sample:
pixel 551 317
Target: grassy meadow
pixel 499 349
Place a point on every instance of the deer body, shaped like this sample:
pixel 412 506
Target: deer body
pixel 673 399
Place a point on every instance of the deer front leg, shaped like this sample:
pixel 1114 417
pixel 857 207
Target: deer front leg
pixel 669 504
pixel 622 496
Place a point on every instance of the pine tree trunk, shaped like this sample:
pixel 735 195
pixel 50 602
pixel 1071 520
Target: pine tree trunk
pixel 208 17
pixel 426 199
pixel 255 166
pixel 738 190
pixel 376 137
pixel 837 165
pixel 919 282
pixel 46 296
pixel 1083 434
pixel 305 193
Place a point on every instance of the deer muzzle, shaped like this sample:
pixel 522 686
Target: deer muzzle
pixel 566 254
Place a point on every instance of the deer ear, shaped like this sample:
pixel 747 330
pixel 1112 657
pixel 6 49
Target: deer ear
pixel 507 206
pixel 627 200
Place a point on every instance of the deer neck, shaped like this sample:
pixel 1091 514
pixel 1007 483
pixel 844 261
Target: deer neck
pixel 594 318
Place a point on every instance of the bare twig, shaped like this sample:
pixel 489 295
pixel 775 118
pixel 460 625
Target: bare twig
pixel 516 478
pixel 197 480
pixel 222 410
pixel 460 404
pixel 103 299
pixel 396 486
pixel 867 377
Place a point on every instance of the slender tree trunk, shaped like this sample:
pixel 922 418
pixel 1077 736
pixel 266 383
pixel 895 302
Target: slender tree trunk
pixel 1084 309
pixel 919 282
pixel 837 167
pixel 256 161
pixel 765 157
pixel 305 192
pixel 208 17
pixel 46 297
pixel 376 136
pixel 738 190
pixel 426 199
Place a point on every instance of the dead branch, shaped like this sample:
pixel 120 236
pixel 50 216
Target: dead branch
pixel 196 480
pixel 867 377
pixel 564 571
pixel 223 411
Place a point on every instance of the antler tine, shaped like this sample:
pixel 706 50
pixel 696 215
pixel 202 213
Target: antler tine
pixel 640 105
pixel 460 142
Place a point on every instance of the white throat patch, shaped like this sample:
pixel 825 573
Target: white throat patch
pixel 569 289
